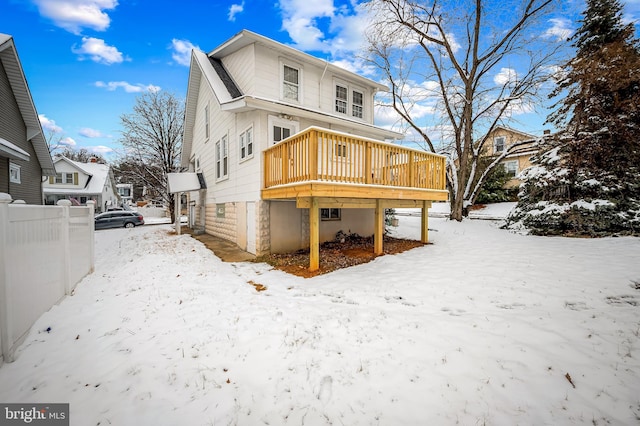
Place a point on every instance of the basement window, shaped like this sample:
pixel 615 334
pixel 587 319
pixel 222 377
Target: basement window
pixel 330 214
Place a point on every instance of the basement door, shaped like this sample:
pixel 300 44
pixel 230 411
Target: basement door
pixel 251 227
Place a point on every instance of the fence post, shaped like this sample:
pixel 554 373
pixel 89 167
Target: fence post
pixel 92 235
pixel 6 339
pixel 66 246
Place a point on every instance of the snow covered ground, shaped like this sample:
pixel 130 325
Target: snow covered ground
pixel 481 327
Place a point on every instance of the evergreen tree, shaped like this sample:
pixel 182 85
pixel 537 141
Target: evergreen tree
pixel 588 182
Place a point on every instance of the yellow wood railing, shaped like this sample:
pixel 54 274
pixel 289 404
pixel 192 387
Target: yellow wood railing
pixel 322 155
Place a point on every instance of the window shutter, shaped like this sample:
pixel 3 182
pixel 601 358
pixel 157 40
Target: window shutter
pixel 52 180
pixel 75 178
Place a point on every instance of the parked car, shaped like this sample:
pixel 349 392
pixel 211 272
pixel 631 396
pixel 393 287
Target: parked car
pixel 118 219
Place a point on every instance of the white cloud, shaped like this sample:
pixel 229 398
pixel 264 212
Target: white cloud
pixel 73 15
pixel 505 76
pixel 99 149
pixel 560 29
pixel 90 133
pixel 129 88
pixel 234 9
pixel 98 51
pixel 182 51
pixel 68 142
pixel 48 124
pixel 300 21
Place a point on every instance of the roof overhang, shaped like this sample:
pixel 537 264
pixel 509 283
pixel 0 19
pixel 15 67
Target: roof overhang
pixel 249 103
pixel 12 151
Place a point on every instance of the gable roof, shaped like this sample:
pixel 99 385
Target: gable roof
pixel 20 88
pixel 245 38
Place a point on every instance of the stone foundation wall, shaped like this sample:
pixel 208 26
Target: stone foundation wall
pixel 263 234
pixel 223 227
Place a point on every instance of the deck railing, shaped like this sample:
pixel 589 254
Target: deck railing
pixel 323 155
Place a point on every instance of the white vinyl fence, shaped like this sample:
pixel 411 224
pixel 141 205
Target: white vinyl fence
pixel 44 252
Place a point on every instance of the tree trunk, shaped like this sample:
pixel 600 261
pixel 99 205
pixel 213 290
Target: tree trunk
pixel 457 206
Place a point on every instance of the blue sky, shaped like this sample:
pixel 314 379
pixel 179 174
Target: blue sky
pixel 86 60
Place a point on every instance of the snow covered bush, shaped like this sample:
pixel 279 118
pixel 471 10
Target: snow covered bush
pixel 554 200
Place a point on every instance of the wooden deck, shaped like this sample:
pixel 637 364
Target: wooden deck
pixel 320 168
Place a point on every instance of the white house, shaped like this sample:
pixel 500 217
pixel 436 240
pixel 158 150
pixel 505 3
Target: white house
pixel 289 152
pixel 81 182
pixel 125 191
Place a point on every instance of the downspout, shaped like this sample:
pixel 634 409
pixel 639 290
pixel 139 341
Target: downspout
pixel 326 65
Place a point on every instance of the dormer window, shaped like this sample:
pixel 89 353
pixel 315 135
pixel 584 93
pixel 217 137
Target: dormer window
pixel 291 83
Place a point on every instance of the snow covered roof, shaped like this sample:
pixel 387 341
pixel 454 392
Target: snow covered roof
pixel 98 173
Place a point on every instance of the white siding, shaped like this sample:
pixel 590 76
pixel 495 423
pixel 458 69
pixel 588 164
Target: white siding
pixel 241 65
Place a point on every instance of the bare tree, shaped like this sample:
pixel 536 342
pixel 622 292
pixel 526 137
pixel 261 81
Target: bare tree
pixel 82 155
pixel 472 64
pixel 152 137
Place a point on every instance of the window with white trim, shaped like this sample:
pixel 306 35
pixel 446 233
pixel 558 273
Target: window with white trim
pixel 281 128
pixel 14 173
pixel 357 104
pixel 511 167
pixel 222 158
pixel 290 83
pixel 330 214
pixel 280 133
pixel 246 144
pixel 349 100
pixel 340 149
pixel 342 99
pixel 499 144
pixel 66 178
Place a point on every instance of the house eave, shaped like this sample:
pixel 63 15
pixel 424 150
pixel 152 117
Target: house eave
pixel 249 103
pixel 12 151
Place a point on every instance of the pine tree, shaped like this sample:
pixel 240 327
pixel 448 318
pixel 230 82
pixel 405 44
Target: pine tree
pixel 588 183
pixel 601 111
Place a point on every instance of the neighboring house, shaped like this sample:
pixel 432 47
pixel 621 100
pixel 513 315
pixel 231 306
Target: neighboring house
pixel 24 155
pixel 125 191
pixel 502 139
pixel 289 153
pixel 81 182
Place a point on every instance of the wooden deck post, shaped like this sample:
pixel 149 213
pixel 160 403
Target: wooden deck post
pixel 313 154
pixel 424 226
pixel 379 228
pixel 314 235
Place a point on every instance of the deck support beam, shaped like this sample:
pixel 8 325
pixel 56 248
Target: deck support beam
pixel 379 228
pixel 314 235
pixel 424 225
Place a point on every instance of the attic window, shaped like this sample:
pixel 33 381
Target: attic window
pixel 291 83
pixel 499 144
